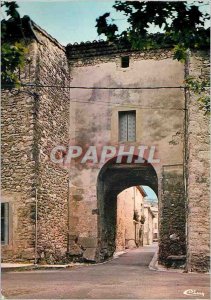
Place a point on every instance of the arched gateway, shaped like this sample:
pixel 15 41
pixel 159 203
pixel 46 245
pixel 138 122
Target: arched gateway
pixel 113 178
pixel 144 104
pixel 168 185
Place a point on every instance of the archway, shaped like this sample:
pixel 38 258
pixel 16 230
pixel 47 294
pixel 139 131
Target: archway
pixel 113 179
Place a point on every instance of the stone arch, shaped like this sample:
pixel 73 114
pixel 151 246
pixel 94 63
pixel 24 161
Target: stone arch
pixel 113 178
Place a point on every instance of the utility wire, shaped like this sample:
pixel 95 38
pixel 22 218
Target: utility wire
pixel 107 102
pixel 96 88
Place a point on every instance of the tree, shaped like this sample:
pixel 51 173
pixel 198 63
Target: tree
pixel 13 50
pixel 178 24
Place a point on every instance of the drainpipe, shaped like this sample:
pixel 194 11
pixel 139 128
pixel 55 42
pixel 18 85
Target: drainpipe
pixel 186 150
pixel 68 211
pixel 36 218
pixel 134 189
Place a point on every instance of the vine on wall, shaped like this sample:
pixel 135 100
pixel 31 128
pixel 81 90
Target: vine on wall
pixel 199 88
pixel 14 48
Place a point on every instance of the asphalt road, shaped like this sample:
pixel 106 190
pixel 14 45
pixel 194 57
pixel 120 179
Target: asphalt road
pixel 127 277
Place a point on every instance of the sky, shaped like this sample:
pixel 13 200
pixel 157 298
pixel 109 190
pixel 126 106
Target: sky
pixel 149 192
pixel 69 21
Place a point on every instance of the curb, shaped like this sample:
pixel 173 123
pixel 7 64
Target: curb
pixel 34 267
pixel 154 266
pixel 55 267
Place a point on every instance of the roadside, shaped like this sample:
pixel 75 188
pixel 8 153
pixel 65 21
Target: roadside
pixel 127 277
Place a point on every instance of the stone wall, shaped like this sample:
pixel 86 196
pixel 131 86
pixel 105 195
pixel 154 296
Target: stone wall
pixel 19 164
pixel 172 207
pixel 52 129
pixel 198 172
pixel 34 121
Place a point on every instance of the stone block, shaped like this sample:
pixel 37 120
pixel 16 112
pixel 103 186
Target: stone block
pixel 88 242
pixel 131 244
pixel 75 250
pixel 72 237
pixel 28 253
pixel 90 254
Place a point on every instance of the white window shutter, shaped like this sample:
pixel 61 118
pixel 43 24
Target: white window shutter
pixel 131 126
pixel 122 127
pixel 127 126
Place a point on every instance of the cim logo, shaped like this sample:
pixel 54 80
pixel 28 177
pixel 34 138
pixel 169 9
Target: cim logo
pixel 191 292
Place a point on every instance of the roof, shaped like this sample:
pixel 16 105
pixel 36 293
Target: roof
pixel 141 190
pixel 27 29
pixel 147 206
pixel 95 48
pixel 84 49
pixel 46 34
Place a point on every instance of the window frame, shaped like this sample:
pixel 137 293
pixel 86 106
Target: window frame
pixel 126 113
pixel 6 220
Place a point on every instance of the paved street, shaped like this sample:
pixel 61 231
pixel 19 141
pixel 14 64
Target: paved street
pixel 127 277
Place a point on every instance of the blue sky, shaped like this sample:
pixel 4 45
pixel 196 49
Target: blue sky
pixel 69 21
pixel 149 192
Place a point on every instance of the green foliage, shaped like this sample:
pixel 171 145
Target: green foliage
pixel 200 88
pixel 12 60
pixel 180 53
pixel 182 25
pixel 13 51
pixel 11 9
pixel 104 27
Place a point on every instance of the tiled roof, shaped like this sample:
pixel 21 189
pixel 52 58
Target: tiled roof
pixel 93 49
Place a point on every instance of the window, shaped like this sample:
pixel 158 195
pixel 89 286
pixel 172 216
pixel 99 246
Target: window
pixel 127 126
pixel 125 61
pixel 4 223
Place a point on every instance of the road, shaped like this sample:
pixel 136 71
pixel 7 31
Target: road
pixel 127 277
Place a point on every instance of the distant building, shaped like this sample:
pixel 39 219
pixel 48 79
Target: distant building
pixel 148 224
pixel 154 208
pixel 130 218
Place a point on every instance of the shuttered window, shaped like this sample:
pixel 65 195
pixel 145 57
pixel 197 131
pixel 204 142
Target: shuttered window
pixel 127 126
pixel 4 223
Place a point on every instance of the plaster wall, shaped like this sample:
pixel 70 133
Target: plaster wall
pixel 127 232
pixel 148 225
pixel 159 119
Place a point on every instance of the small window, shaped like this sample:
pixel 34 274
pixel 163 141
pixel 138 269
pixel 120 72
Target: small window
pixel 4 223
pixel 127 126
pixel 125 61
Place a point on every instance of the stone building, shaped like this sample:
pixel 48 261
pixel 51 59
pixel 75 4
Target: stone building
pixel 154 209
pixel 130 218
pixel 100 94
pixel 148 224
